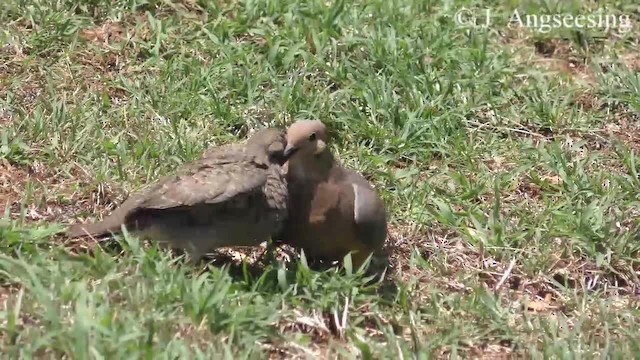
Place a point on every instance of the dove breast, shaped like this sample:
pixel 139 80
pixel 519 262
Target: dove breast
pixel 333 210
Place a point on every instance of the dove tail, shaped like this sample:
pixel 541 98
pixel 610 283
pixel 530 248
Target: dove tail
pixel 97 229
pixel 109 225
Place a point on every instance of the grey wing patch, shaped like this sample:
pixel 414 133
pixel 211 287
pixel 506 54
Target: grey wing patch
pixel 357 203
pixel 365 204
pixel 369 214
pixel 206 186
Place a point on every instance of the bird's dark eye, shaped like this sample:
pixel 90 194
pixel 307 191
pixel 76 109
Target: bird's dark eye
pixel 312 137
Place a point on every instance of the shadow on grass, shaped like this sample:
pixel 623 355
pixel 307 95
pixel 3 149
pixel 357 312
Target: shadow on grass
pixel 257 268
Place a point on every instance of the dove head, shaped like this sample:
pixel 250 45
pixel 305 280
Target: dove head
pixel 306 138
pixel 267 146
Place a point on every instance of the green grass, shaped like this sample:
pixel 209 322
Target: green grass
pixel 507 159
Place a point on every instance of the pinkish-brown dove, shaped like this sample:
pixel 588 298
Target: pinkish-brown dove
pixel 333 210
pixel 236 196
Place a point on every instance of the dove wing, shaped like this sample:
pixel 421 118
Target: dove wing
pixel 208 185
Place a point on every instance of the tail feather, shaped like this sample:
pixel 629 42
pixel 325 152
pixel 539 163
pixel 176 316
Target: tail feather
pixel 96 229
pixel 111 224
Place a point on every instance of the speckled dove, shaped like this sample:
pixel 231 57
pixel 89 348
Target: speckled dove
pixel 233 197
pixel 332 210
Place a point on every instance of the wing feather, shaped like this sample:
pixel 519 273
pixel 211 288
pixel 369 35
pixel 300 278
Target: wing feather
pixel 208 185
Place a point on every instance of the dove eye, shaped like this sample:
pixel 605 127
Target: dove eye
pixel 312 137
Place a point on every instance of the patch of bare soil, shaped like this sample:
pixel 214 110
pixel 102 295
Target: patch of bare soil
pixel 480 352
pixel 314 324
pixel 314 350
pixel 556 55
pixel 99 74
pixel 455 266
pixel 109 32
pixel 486 118
pixel 93 70
pixel 561 56
pixel 10 298
pixel 10 178
pixel 632 61
pixel 36 193
pixel 6 117
pixel 436 244
pixel 51 196
pixel 96 74
pixel 404 240
pixel 595 139
pixel 587 100
pixel 625 126
pixel 12 66
pixel 9 54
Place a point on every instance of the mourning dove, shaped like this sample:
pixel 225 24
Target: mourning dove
pixel 236 196
pixel 332 210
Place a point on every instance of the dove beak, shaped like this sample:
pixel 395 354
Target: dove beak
pixel 289 150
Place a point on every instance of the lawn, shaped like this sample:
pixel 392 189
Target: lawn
pixel 506 155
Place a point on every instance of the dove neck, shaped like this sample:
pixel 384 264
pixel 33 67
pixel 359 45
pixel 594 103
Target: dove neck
pixel 316 168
